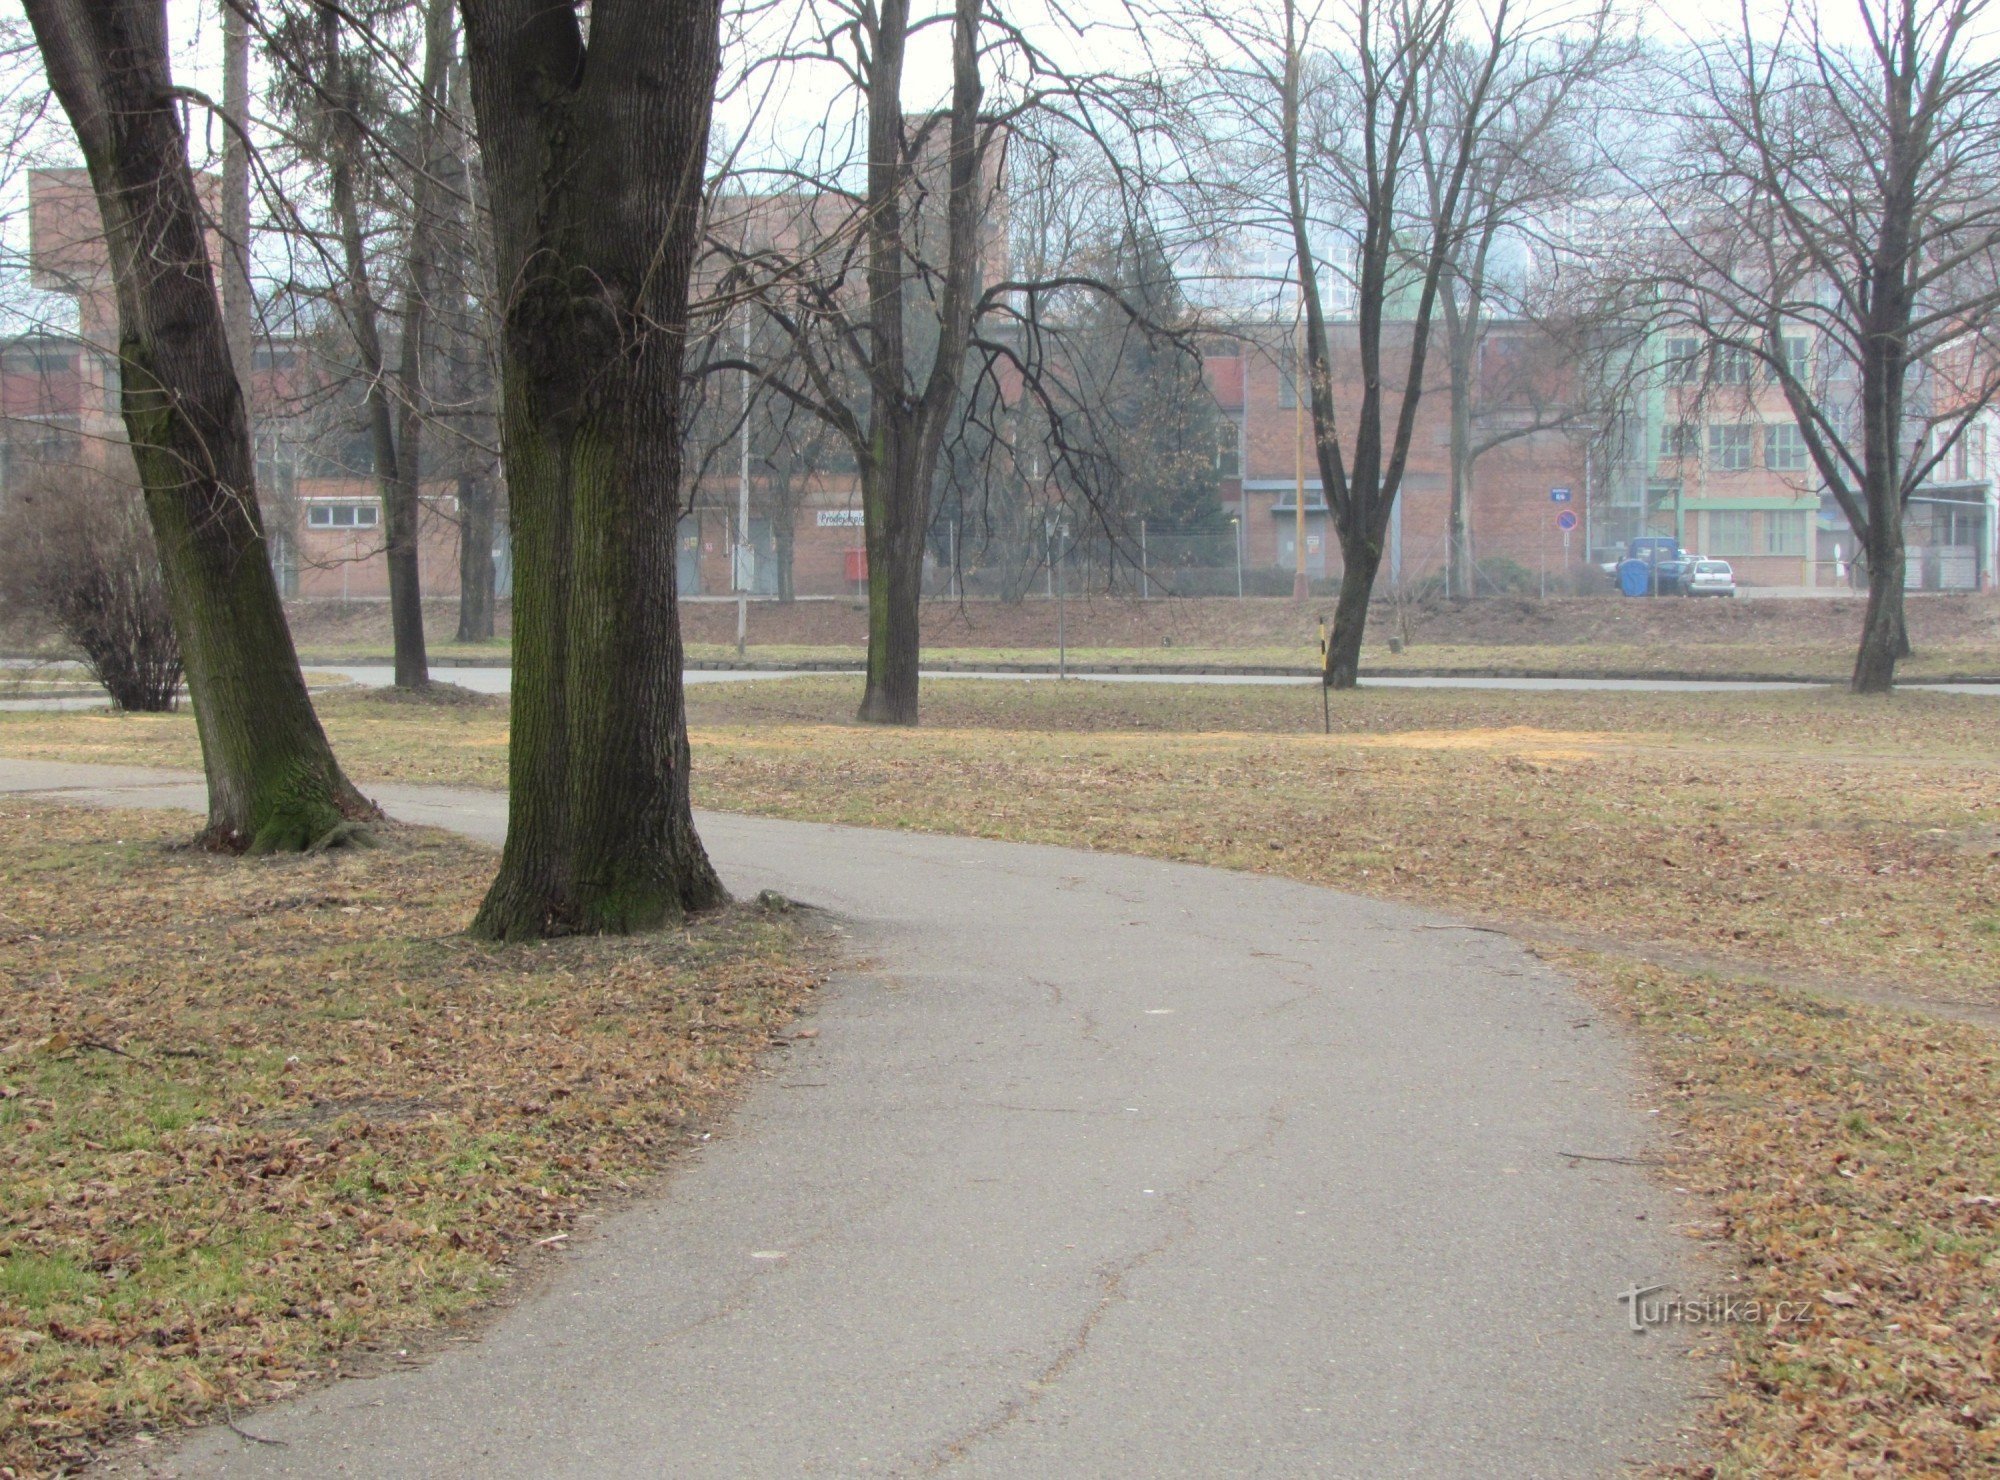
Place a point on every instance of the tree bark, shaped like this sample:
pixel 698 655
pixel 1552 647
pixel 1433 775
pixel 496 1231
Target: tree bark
pixel 238 308
pixel 1883 638
pixel 475 555
pixel 595 178
pixel 1360 561
pixel 273 783
pixel 1459 574
pixel 895 543
pixel 784 526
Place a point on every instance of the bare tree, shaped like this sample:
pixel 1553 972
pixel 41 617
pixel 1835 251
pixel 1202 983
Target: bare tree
pixel 273 783
pixel 912 231
pixel 1532 161
pixel 377 124
pixel 1350 129
pixel 1833 214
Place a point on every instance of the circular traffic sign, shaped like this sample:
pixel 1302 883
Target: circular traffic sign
pixel 1566 520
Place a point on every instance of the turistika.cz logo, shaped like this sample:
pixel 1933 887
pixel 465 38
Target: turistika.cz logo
pixel 1646 1307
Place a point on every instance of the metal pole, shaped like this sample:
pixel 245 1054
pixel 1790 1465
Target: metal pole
pixel 1238 522
pixel 1586 502
pixel 953 587
pixel 737 556
pixel 1145 585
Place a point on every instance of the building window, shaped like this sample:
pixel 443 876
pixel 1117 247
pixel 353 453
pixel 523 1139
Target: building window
pixel 1785 447
pixel 1729 533
pixel 1733 365
pixel 1784 534
pixel 1678 439
pixel 1729 448
pixel 40 359
pixel 343 516
pixel 1967 458
pixel 1683 361
pixel 1288 388
pixel 1798 361
pixel 1229 448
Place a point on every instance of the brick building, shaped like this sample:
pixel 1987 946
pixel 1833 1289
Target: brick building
pixel 1707 450
pixel 1266 452
pixel 59 400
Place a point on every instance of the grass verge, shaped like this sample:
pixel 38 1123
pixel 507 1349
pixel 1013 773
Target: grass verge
pixel 257 1117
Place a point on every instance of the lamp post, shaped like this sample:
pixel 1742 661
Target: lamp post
pixel 1236 529
pixel 1301 581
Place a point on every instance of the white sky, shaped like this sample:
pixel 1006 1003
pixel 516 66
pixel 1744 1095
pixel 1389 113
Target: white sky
pixel 1094 34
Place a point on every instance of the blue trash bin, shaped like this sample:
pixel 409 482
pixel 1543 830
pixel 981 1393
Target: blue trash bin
pixel 1635 577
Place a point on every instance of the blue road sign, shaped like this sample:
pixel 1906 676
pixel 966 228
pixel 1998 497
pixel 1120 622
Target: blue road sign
pixel 1558 495
pixel 1566 520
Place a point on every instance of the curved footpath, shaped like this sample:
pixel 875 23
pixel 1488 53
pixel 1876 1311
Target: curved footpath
pixel 1097 1166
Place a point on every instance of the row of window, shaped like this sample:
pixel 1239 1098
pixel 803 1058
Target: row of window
pixel 343 516
pixel 1736 532
pixel 1691 362
pixel 1732 446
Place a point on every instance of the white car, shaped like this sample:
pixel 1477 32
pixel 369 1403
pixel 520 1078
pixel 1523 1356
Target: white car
pixel 1709 578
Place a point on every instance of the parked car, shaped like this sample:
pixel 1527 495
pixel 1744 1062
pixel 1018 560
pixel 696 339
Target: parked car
pixel 1709 578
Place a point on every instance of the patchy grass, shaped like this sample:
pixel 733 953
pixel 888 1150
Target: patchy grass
pixel 1851 1157
pixel 1691 842
pixel 1832 836
pixel 265 1114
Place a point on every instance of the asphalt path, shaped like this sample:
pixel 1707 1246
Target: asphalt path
pixel 497 680
pixel 1096 1166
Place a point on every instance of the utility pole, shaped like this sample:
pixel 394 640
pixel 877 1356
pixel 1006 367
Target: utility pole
pixel 740 557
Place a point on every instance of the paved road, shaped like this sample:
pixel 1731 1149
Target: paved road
pixel 1098 1166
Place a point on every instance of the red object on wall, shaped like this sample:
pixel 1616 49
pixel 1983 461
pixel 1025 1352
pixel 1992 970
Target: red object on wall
pixel 857 565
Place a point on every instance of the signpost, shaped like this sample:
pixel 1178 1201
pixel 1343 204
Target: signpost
pixel 1566 521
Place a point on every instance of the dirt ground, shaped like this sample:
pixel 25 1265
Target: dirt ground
pixel 1265 622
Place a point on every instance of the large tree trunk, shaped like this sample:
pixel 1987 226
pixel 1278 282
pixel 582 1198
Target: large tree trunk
pixel 1360 559
pixel 1459 573
pixel 784 521
pixel 595 174
pixel 475 555
pixel 1883 638
pixel 892 502
pixel 273 784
